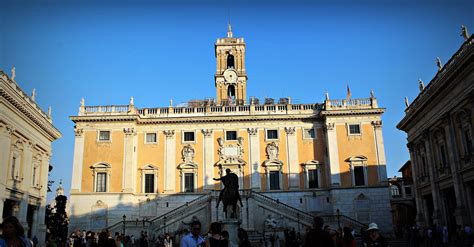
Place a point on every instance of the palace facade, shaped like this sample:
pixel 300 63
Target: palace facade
pixel 439 125
pixel 153 168
pixel 26 134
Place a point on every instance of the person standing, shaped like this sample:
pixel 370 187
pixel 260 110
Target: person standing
pixel 243 238
pixel 13 233
pixel 194 239
pixel 374 238
pixel 216 239
pixel 348 239
pixel 317 234
pixel 167 242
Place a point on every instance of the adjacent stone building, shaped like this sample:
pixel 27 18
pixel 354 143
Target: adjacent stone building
pixel 439 125
pixel 26 134
pixel 154 167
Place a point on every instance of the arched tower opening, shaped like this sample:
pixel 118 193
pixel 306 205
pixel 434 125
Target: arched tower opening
pixel 230 61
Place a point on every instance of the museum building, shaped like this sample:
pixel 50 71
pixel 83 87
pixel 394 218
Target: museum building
pixel 153 168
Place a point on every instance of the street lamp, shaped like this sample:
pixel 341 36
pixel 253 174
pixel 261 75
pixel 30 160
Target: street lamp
pixel 338 221
pixel 124 218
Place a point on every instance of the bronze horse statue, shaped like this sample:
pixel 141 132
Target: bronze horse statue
pixel 230 194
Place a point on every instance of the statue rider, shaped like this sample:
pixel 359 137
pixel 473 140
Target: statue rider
pixel 231 182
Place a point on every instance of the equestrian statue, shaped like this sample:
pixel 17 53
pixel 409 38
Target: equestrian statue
pixel 229 195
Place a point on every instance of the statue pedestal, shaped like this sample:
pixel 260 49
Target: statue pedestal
pixel 231 226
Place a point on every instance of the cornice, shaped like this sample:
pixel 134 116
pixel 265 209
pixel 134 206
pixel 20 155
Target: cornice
pixel 345 112
pixel 456 64
pixel 32 112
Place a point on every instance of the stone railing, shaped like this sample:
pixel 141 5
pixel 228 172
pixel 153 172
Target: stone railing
pixel 163 221
pixel 164 112
pixel 289 211
pixel 351 104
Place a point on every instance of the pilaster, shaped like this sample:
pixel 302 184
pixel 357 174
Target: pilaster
pixel 254 159
pixel 130 163
pixel 418 200
pixel 460 211
pixel 292 156
pixel 434 186
pixel 380 152
pixel 76 182
pixel 6 132
pixel 333 152
pixel 27 166
pixel 208 159
pixel 170 160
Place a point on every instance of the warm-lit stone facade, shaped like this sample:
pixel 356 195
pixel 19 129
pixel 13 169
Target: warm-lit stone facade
pixel 439 125
pixel 293 160
pixel 26 133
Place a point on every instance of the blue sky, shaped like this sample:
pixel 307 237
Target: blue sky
pixel 160 50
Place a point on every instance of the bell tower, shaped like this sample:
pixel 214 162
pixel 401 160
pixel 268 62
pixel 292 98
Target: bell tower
pixel 230 77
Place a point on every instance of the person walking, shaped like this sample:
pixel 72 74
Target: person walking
pixel 374 238
pixel 193 239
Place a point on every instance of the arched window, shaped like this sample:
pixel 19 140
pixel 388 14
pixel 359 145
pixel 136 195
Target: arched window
pixel 231 91
pixel 394 190
pixel 230 61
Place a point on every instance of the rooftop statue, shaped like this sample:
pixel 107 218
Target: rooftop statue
pixel 13 73
pixel 464 32
pixel 406 102
pixel 439 64
pixel 421 85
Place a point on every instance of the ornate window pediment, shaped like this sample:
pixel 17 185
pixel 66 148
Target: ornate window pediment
pixel 101 176
pixel 312 174
pixel 149 178
pixel 358 169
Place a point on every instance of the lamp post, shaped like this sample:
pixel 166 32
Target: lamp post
pixel 338 221
pixel 124 218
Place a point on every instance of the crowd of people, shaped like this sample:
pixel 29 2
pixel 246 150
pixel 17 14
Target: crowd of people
pixel 13 235
pixel 434 236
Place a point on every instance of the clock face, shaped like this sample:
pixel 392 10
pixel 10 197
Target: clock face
pixel 230 76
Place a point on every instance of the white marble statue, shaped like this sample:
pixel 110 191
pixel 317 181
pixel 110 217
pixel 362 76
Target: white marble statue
pixel 421 85
pixel 439 64
pixel 33 94
pixel 406 102
pixel 13 73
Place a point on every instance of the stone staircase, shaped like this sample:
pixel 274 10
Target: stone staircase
pixel 256 202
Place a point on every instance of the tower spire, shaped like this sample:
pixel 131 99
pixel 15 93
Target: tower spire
pixel 229 30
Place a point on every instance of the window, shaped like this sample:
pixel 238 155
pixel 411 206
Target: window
pixel 408 190
pixel 442 151
pixel 33 181
pixel 230 61
pixel 189 182
pixel 272 134
pixel 231 135
pixel 104 135
pixel 101 174
pixel 354 129
pixel 150 138
pixel 394 190
pixel 274 180
pixel 149 183
pixel 359 176
pixel 101 185
pixel 309 133
pixel 313 178
pixel 467 141
pixel 189 136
